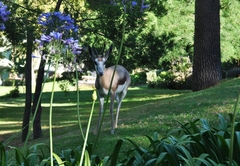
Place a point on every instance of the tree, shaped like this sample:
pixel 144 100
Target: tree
pixel 207 59
pixel 28 76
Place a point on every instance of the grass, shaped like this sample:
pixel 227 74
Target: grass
pixel 144 111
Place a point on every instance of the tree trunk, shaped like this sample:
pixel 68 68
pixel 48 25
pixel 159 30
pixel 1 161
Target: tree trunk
pixel 28 76
pixel 207 58
pixel 37 130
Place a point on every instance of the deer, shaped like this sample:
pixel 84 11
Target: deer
pixel 121 82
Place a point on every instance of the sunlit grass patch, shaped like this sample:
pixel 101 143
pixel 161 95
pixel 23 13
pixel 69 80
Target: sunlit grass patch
pixel 144 111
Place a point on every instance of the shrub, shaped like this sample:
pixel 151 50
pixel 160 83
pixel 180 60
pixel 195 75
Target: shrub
pixel 9 82
pixel 64 86
pixel 138 79
pixel 178 76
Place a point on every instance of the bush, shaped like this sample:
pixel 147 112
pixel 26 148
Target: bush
pixel 9 82
pixel 177 77
pixel 64 86
pixel 138 79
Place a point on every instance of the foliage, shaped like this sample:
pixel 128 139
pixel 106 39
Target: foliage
pixel 64 85
pixel 229 31
pixel 165 106
pixel 153 38
pixel 138 78
pixel 197 143
pixel 3 15
pixel 178 75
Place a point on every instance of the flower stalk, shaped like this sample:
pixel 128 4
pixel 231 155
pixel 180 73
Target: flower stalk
pixel 50 114
pixel 94 97
pixel 78 110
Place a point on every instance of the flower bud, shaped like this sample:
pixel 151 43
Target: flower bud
pixel 94 95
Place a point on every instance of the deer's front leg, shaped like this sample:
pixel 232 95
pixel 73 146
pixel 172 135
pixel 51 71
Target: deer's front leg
pixel 101 102
pixel 119 99
pixel 112 112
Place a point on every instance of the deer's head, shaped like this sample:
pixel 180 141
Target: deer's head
pixel 99 59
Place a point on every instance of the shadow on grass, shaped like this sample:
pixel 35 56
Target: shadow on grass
pixel 144 111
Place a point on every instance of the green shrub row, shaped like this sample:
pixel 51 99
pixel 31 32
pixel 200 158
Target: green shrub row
pixel 193 143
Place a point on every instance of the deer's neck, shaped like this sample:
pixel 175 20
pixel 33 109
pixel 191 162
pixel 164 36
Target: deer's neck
pixel 101 84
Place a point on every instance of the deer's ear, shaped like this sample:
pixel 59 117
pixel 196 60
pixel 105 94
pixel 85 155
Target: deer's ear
pixel 109 51
pixel 90 50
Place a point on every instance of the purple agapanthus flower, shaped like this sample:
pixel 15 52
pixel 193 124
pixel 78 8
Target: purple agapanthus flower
pixel 68 42
pixel 2 27
pixel 143 7
pixel 45 38
pixel 4 13
pixel 56 35
pixel 59 21
pixel 58 44
pixel 73 45
pixel 134 3
pixel 76 49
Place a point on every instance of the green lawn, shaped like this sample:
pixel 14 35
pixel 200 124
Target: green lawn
pixel 144 111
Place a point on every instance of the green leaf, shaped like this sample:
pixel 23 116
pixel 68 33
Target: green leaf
pixel 172 152
pixel 165 159
pixel 58 159
pixel 189 159
pixel 205 124
pixel 152 143
pixel 20 157
pixel 105 160
pixel 223 125
pixel 155 136
pixel 114 156
pixel 3 159
pixel 237 134
pixel 202 159
pixel 44 162
pixel 87 161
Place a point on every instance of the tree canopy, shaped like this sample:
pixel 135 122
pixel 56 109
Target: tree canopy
pixel 153 39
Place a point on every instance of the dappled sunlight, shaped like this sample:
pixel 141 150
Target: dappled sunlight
pixel 143 112
pixel 151 98
pixel 11 104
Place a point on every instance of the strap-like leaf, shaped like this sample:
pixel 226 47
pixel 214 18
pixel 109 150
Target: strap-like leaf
pixel 87 161
pixel 3 160
pixel 114 156
pixel 58 159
